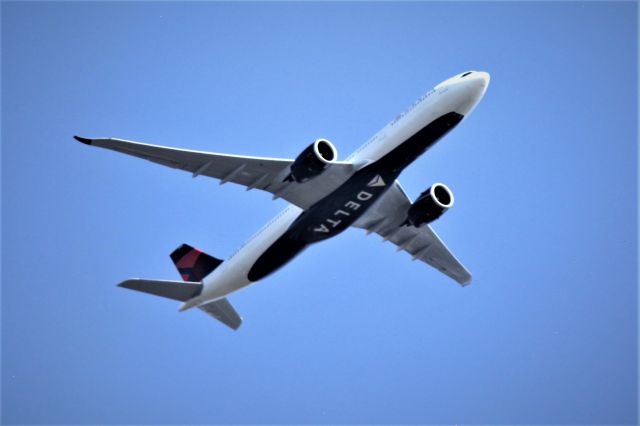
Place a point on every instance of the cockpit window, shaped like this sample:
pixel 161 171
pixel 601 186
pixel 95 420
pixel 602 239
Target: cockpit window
pixel 465 74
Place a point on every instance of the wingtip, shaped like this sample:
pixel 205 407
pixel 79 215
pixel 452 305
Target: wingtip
pixel 124 284
pixel 235 327
pixel 130 283
pixel 85 141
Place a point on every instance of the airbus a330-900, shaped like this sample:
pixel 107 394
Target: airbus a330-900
pixel 326 197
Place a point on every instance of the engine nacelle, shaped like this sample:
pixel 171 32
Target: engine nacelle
pixel 313 160
pixel 430 205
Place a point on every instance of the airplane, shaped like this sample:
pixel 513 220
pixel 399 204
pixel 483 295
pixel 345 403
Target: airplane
pixel 326 197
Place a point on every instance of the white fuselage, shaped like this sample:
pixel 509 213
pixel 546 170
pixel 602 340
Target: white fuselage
pixel 458 94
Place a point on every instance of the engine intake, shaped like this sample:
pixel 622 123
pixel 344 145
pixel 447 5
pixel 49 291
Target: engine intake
pixel 430 205
pixel 313 161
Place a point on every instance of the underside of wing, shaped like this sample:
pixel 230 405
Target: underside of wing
pixel 268 174
pixel 386 218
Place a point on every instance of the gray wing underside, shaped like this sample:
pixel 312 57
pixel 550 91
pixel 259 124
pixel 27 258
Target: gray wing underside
pixel 262 173
pixel 385 218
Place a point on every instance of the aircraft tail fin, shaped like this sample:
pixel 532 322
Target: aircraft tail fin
pixel 193 264
pixel 176 290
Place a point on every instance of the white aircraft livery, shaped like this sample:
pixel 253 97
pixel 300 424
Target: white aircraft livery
pixel 326 197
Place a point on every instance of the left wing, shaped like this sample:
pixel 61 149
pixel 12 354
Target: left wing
pixel 267 174
pixel 385 218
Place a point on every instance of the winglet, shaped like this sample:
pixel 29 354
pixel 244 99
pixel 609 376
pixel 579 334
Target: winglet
pixel 85 141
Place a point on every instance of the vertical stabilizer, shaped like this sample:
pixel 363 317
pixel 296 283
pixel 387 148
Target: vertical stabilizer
pixel 193 264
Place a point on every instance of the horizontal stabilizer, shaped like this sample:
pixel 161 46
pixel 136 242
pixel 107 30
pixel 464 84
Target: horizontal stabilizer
pixel 176 290
pixel 223 312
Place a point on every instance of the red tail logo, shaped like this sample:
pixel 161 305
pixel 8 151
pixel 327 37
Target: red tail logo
pixel 193 264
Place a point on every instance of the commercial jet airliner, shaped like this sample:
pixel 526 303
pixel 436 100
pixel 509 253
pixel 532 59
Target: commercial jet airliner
pixel 326 197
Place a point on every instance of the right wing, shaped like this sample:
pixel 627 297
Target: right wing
pixel 386 217
pixel 267 174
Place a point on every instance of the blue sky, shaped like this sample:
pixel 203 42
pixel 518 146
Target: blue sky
pixel 544 173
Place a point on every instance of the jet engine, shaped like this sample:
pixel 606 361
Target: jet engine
pixel 430 205
pixel 313 161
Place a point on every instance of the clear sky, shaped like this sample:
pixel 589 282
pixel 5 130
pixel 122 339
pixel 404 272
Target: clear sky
pixel 543 171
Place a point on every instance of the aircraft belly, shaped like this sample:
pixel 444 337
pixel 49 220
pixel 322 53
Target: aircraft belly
pixel 340 209
pixel 232 273
pixel 336 212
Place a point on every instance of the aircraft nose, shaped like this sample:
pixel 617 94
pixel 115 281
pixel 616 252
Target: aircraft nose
pixel 477 81
pixel 473 86
pixel 483 78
